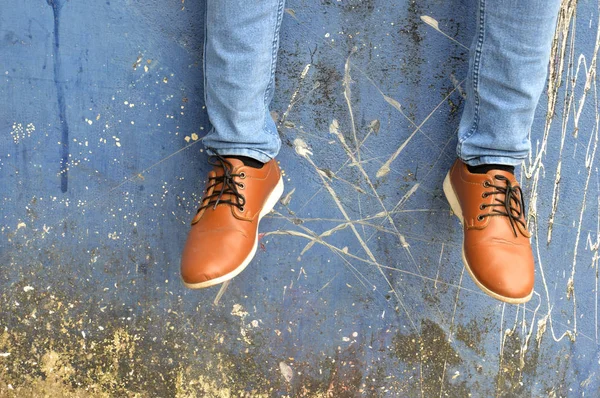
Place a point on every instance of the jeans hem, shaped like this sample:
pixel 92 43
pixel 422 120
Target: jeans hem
pixel 503 160
pixel 251 153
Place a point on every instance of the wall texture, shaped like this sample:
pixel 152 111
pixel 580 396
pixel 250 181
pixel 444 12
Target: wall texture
pixel 358 289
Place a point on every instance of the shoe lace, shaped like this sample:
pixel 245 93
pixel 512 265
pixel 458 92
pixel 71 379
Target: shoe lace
pixel 513 203
pixel 228 186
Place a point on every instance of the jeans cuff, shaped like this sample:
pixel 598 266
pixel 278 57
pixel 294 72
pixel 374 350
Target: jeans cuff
pixel 503 160
pixel 251 153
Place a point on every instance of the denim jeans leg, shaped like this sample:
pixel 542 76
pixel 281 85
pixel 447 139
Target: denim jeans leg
pixel 240 54
pixel 507 73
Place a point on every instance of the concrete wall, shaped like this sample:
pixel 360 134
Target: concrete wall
pixel 358 289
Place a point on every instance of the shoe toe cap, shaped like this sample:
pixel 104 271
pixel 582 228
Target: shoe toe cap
pixel 207 257
pixel 508 274
pixel 195 272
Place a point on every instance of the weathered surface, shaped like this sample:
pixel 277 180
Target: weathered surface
pixel 358 289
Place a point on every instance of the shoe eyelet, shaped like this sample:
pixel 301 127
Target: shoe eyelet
pixel 242 175
pixel 480 218
pixel 242 209
pixel 242 185
pixel 486 184
pixel 482 206
pixel 484 195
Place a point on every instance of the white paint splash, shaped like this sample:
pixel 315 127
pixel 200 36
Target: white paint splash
pixel 287 371
pixel 301 148
pixel 288 198
pixel 435 25
pixel 238 310
pixel 20 132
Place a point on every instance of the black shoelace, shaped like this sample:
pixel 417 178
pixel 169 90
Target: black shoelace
pixel 228 186
pixel 513 203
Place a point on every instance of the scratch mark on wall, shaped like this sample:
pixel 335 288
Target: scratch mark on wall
pixel 573 105
pixel 348 97
pixel 294 99
pixel 435 25
pixel 304 152
pixel 385 169
pixel 451 329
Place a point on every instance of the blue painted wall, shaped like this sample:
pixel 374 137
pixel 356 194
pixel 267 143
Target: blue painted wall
pixel 358 289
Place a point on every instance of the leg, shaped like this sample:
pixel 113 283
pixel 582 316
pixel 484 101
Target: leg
pixel 507 73
pixel 240 54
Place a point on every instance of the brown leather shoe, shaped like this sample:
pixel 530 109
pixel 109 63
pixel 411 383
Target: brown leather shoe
pixel 496 249
pixel 224 233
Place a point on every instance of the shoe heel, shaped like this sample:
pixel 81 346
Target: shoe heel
pixel 451 198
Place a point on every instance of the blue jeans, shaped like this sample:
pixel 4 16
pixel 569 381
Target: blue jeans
pixel 240 53
pixel 508 65
pixel 507 73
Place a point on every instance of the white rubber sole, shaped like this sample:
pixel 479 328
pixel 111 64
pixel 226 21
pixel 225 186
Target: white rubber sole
pixel 269 205
pixel 453 200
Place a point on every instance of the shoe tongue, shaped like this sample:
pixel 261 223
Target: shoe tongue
pixel 514 183
pixel 218 171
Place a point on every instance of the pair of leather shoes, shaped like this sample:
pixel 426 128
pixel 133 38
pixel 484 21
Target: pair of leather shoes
pixel 496 249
